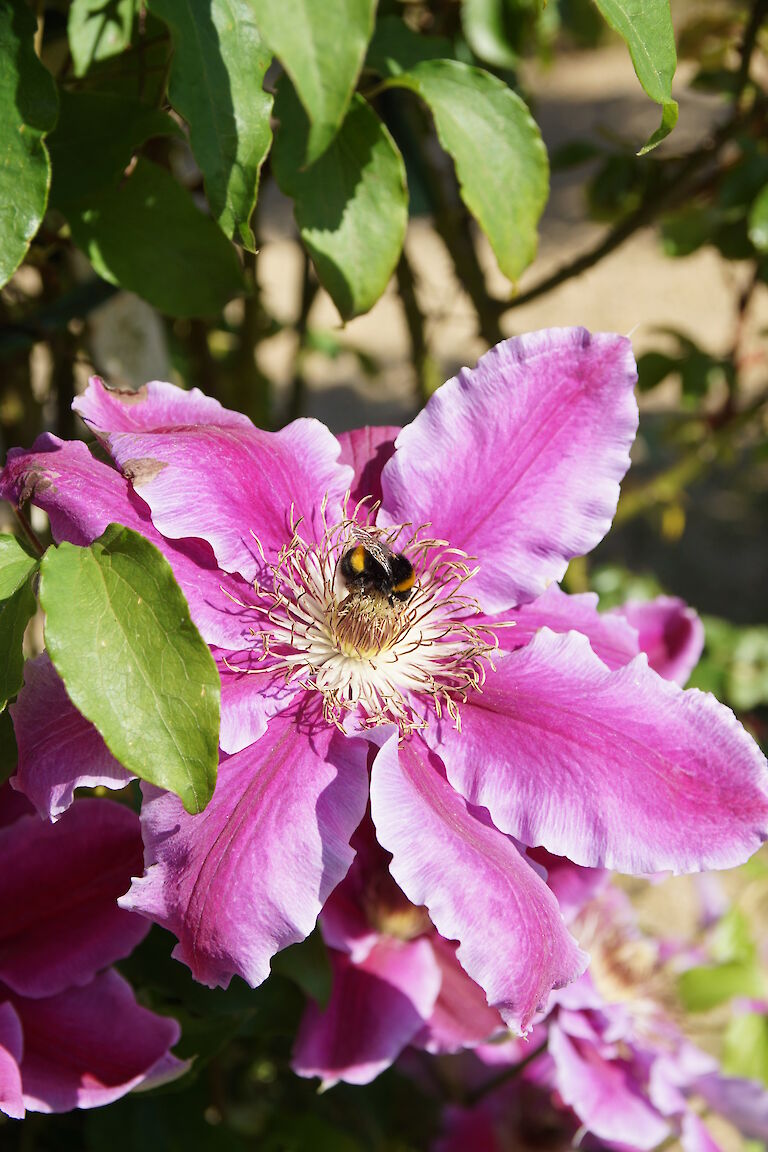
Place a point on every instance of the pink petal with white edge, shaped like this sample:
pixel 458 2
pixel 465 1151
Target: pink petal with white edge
pixel 228 485
pixel 249 875
pixel 367 450
pixel 669 632
pixel 602 1093
pixel 518 461
pixel 59 885
pixel 610 637
pixel 89 1046
pixel 461 1018
pixel 154 405
pixel 619 769
pixel 11 1050
pixel 376 1008
pixel 59 750
pixel 82 496
pixel 248 698
pixel 477 887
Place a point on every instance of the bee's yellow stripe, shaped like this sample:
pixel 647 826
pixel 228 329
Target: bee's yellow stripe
pixel 406 583
pixel 357 559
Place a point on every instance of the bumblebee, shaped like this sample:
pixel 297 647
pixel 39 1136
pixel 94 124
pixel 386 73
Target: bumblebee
pixel 370 566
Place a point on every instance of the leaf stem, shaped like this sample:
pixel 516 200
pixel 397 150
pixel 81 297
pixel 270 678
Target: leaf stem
pixel 28 531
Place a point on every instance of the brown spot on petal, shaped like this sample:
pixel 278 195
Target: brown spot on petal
pixel 127 396
pixel 143 470
pixel 33 484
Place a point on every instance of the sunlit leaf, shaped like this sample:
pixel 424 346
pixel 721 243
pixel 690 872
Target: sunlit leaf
pixel 496 146
pixel 16 565
pixel 28 108
pixel 321 47
pixel 746 1047
pixel 646 28
pixel 758 221
pixel 216 84
pixel 118 631
pixel 351 205
pixel 98 29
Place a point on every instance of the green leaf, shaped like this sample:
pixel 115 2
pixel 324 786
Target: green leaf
pixel 396 48
pixel 758 221
pixel 704 988
pixel 351 206
pixel 28 108
pixel 646 28
pixel 15 613
pixel 488 26
pixel 118 630
pixel 308 966
pixel 216 84
pixel 147 236
pixel 16 565
pixel 495 144
pixel 98 29
pixel 321 47
pixel 745 1052
pixel 95 139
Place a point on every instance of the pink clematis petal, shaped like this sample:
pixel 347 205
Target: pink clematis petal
pixel 231 485
pixel 477 887
pixel 376 1008
pixel 367 450
pixel 612 769
pixel 59 750
pixel 461 1017
pixel 518 462
pixel 89 1046
pixel 696 1137
pixel 59 885
pixel 669 632
pixel 248 699
pixel 573 886
pixel 11 1050
pixel 154 405
pixel 610 637
pixel 83 496
pixel 249 875
pixel 742 1102
pixel 602 1093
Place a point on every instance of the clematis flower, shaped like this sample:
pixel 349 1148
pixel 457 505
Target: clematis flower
pixel 612 1060
pixel 501 710
pixel 71 1032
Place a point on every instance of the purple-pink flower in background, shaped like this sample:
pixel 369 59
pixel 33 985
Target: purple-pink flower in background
pixel 71 1032
pixel 502 711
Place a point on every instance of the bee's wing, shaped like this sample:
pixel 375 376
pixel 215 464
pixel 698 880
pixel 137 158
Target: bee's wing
pixel 380 552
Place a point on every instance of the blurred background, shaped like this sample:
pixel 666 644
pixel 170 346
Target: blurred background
pixel 670 247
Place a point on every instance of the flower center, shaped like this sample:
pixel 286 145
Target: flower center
pixel 372 641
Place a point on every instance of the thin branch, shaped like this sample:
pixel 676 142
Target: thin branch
pixel 505 1076
pixel 423 361
pixel 677 187
pixel 28 531
pixel 757 16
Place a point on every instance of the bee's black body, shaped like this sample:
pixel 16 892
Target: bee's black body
pixel 369 566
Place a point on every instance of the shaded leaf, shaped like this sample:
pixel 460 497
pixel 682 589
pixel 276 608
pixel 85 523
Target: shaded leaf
pixel 321 47
pixel 646 28
pixel 216 84
pixel 147 236
pixel 95 138
pixel 308 966
pixel 489 27
pixel 496 146
pixel 15 613
pixel 9 753
pixel 396 48
pixel 28 109
pixel 351 205
pixel 119 633
pixel 16 565
pixel 98 29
